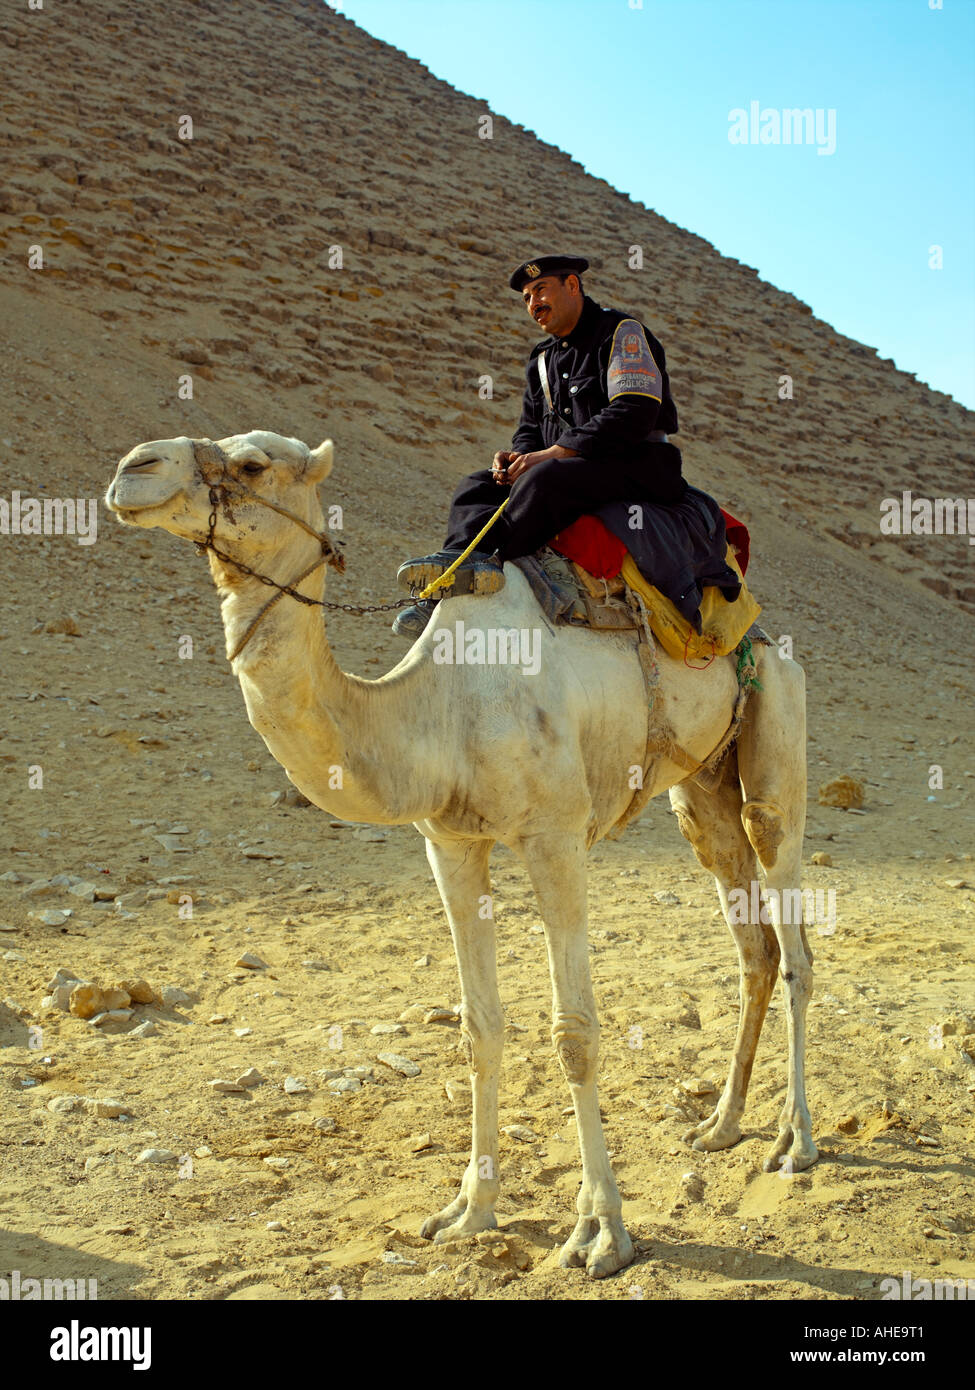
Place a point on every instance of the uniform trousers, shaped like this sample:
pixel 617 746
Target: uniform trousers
pixel 552 495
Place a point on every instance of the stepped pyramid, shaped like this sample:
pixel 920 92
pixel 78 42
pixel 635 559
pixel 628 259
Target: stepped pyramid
pixel 328 254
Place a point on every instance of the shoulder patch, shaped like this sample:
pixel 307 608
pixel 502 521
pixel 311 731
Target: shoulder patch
pixel 632 370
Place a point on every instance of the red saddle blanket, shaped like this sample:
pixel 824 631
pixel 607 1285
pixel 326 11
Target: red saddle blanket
pixel 593 546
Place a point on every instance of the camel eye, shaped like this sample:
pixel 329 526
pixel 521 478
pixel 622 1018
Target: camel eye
pixel 254 468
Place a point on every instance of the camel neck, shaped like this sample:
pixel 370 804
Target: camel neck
pixel 317 721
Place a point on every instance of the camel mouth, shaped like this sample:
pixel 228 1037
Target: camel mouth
pixel 129 496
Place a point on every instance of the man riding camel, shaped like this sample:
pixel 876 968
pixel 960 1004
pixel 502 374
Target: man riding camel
pixel 594 423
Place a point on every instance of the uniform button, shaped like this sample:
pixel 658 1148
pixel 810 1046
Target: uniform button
pixel 573 390
pixel 565 376
pixel 565 342
pixel 565 410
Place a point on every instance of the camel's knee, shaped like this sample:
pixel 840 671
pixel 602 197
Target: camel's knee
pixel 765 828
pixel 481 1036
pixel 576 1040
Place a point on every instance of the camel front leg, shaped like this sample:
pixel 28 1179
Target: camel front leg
pixel 462 874
pixel 557 868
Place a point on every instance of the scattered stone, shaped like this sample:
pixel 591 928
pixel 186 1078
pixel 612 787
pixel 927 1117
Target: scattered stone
pixel 139 990
pixel 84 890
pixel 96 1161
pixel 667 899
pixel 144 1030
pixel 698 1086
pixel 848 1124
pixel 383 1028
pixel 955 883
pixel 275 1226
pixel 521 1133
pixel 415 1013
pixel 251 962
pixel 172 995
pixel 326 1124
pixel 825 861
pixel 61 977
pixel 204 1151
pixel 63 1105
pixel 243 1032
pixel 109 1017
pixel 419 1142
pixel 105 1109
pixel 403 1065
pixel 38 889
pixel 60 995
pixel 364 1073
pixel 845 792
pixel 692 1186
pixel 441 1016
pixel 371 835
pixel 926 1142
pixel 345 1083
pixel 393 1257
pixel 54 917
pixel 316 965
pixel 86 1000
pixel 232 1087
pixel 423 961
pixel 278 1163
pixel 295 1085
pixel 457 1091
pixel 14 955
pixel 219 1018
pixel 157 1156
pixel 250 1077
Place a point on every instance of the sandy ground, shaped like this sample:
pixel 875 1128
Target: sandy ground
pixel 134 743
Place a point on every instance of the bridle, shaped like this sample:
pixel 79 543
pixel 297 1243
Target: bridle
pixel 214 466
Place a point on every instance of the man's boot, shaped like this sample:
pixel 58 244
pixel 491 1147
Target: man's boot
pixel 412 622
pixel 479 574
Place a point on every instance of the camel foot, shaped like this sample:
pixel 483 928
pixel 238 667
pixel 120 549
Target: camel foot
pixel 457 1221
pixel 716 1132
pixel 602 1244
pixel 792 1151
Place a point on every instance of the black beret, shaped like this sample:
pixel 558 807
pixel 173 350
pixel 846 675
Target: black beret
pixel 547 265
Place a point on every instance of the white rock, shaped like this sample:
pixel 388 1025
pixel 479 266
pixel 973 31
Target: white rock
pixel 63 976
pixel 96 1161
pixel 54 917
pixel 403 1065
pixel 275 1161
pixel 382 1028
pixel 325 1123
pixel 295 1085
pixel 243 1032
pixel 230 1086
pixel 144 1030
pixel 157 1156
pixel 63 1105
pixel 521 1133
pixel 275 1226
pixel 345 1083
pixel 172 995
pixel 105 1109
pixel 251 962
pixel 441 1016
pixel 250 1077
pixel 84 890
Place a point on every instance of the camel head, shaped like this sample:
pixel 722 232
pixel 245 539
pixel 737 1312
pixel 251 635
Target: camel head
pixel 256 477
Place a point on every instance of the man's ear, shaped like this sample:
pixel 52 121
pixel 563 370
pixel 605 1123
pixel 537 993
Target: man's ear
pixel 319 462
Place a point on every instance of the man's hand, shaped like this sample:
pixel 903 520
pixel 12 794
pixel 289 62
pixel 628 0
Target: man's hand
pixel 520 463
pixel 501 460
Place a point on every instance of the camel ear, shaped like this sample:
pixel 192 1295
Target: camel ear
pixel 319 462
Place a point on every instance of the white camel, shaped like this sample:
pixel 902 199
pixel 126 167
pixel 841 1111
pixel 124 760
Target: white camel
pixel 475 753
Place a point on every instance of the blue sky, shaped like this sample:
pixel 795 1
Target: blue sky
pixel 640 95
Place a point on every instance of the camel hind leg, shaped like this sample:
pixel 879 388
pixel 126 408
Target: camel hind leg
pixel 711 821
pixel 772 768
